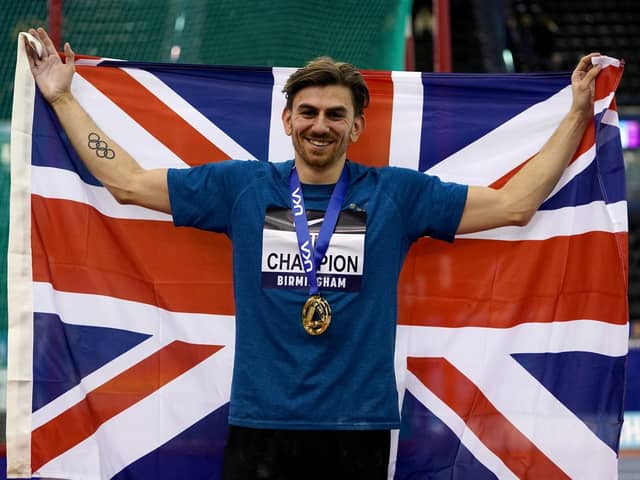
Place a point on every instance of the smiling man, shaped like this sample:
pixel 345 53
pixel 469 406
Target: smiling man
pixel 318 245
pixel 323 120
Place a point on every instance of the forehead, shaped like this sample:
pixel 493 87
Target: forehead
pixel 324 97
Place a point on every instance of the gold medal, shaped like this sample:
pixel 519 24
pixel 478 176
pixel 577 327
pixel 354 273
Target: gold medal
pixel 316 315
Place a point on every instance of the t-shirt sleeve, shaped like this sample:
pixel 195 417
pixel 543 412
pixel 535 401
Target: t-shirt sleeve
pixel 430 206
pixel 204 196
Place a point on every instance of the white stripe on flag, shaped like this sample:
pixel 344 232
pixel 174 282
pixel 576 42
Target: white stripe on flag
pixel 280 146
pixel 610 117
pixel 571 336
pixel 19 292
pixel 94 62
pixel 110 312
pixel 406 122
pixel 595 216
pixel 605 61
pixel 57 183
pixel 190 114
pixel 485 160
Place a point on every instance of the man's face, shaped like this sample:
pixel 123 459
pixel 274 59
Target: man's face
pixel 321 124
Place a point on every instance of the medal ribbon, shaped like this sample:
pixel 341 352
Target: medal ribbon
pixel 311 260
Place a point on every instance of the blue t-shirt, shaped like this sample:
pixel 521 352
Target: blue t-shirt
pixel 284 378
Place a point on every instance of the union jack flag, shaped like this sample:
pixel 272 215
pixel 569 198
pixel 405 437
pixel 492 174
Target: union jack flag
pixel 511 343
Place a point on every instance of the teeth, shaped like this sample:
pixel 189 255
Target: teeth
pixel 319 143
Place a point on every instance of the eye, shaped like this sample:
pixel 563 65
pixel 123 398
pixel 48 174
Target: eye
pixel 307 113
pixel 336 114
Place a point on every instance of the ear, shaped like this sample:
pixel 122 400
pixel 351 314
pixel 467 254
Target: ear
pixel 357 128
pixel 286 121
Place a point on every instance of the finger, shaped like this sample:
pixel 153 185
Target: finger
pixel 69 55
pixel 49 47
pixel 593 73
pixel 33 33
pixel 34 43
pixel 585 64
pixel 31 54
pixel 33 49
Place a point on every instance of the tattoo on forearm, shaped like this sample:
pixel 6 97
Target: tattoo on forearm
pixel 100 146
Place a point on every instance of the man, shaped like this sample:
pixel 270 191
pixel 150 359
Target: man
pixel 313 392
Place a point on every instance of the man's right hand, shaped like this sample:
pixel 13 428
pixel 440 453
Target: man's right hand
pixel 120 173
pixel 52 75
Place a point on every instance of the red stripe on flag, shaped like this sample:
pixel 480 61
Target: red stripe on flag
pixel 608 81
pixel 82 420
pixel 180 269
pixel 372 148
pixel 492 283
pixel 496 432
pixel 153 115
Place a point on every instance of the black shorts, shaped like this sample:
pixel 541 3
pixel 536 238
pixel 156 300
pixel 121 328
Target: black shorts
pixel 306 454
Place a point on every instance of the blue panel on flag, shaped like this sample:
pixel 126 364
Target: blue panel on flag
pixel 459 109
pixel 63 353
pixel 51 147
pixel 427 448
pixel 588 384
pixel 632 400
pixel 194 454
pixel 610 160
pixel 583 189
pixel 240 103
pixel 602 180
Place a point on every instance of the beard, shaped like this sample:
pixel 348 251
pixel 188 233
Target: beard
pixel 319 157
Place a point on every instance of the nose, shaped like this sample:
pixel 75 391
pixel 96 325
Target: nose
pixel 320 125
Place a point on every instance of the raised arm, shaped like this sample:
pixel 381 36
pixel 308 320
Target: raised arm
pixel 517 201
pixel 108 162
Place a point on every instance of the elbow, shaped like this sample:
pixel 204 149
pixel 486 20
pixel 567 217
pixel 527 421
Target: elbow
pixel 521 218
pixel 518 210
pixel 125 189
pixel 123 195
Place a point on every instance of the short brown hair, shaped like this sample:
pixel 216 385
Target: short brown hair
pixel 323 71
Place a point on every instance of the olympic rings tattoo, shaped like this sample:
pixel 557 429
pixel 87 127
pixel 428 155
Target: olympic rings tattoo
pixel 100 146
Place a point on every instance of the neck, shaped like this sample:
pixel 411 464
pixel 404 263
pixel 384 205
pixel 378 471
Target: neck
pixel 324 175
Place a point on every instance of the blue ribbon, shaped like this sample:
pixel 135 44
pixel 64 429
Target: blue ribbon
pixel 311 259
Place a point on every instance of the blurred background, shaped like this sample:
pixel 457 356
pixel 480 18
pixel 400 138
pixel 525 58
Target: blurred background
pixel 492 36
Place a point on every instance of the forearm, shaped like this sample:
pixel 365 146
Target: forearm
pixel 127 181
pixel 530 186
pixel 518 200
pixel 105 159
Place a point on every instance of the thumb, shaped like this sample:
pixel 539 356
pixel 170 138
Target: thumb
pixel 69 55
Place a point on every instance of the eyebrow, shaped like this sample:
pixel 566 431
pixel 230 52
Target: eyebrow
pixel 336 109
